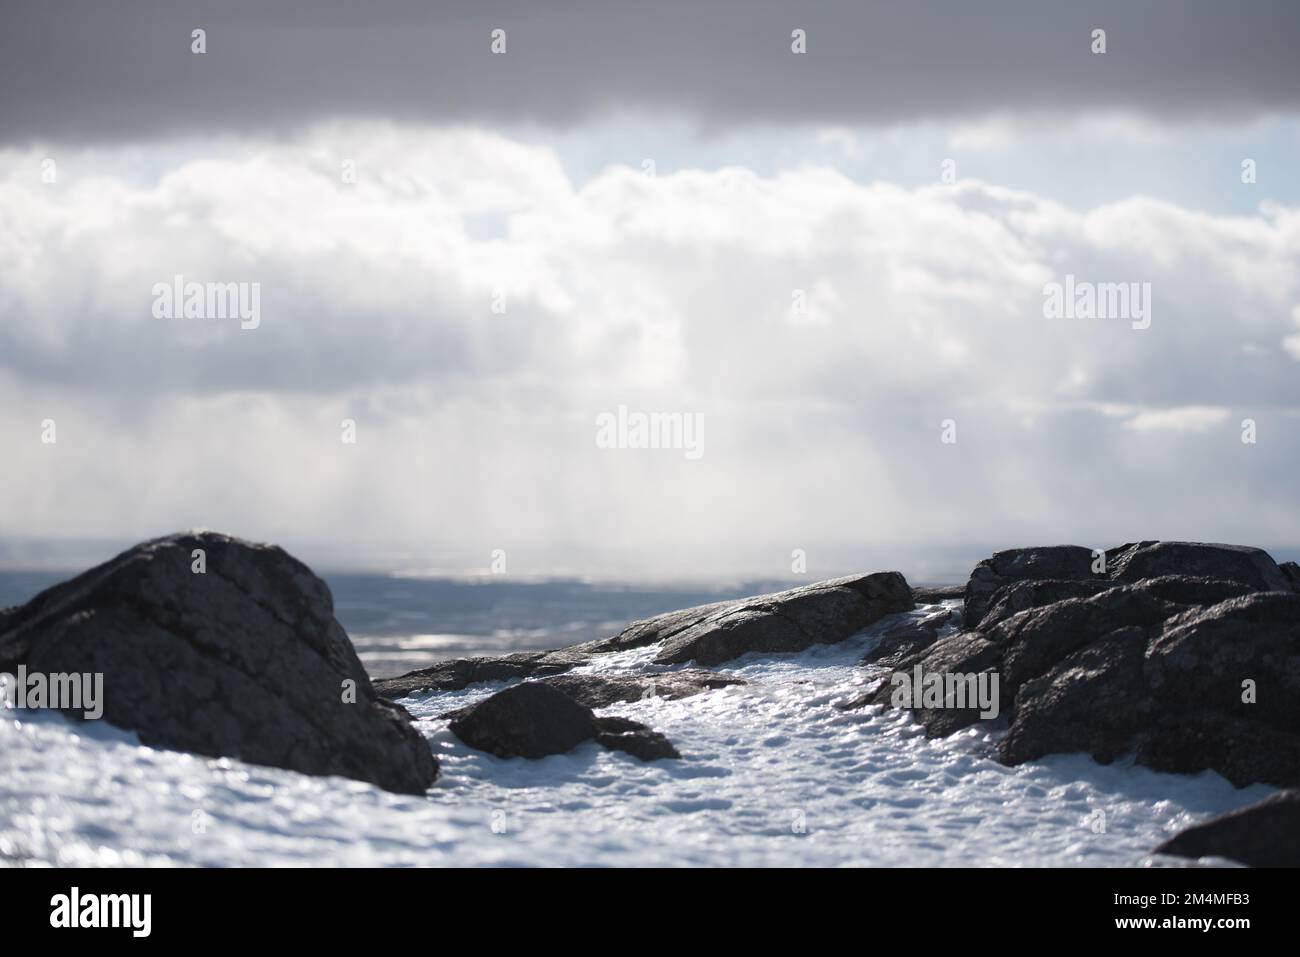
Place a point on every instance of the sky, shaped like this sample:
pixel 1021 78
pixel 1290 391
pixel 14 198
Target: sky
pixel 835 263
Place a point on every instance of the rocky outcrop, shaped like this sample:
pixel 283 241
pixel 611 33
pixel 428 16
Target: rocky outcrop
pixel 1019 596
pixel 788 621
pixel 1056 563
pixel 1212 687
pixel 1184 655
pixel 791 620
pixel 533 720
pixel 1266 834
pixel 1250 567
pixel 240 657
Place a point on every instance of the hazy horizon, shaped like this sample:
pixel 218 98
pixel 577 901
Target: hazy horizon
pixel 705 568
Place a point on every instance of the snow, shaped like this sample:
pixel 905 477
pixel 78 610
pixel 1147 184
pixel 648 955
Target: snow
pixel 771 774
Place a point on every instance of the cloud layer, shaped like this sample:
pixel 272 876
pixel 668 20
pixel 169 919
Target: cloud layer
pixel 824 328
pixel 86 71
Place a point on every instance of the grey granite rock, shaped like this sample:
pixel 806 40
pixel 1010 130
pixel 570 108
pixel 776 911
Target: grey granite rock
pixel 244 660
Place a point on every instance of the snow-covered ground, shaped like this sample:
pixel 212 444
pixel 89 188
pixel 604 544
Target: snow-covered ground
pixel 771 774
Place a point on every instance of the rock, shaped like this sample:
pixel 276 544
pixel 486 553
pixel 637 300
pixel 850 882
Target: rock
pixel 245 660
pixel 1151 657
pixel 1190 590
pixel 906 637
pixel 463 672
pixel 1292 572
pixel 791 620
pixel 1266 834
pixel 965 653
pixel 534 719
pixel 1133 562
pixel 529 720
pixel 651 631
pixel 788 621
pixel 1058 562
pixel 1243 751
pixel 601 691
pixel 460 673
pixel 1251 567
pixel 1093 700
pixel 1170 690
pixel 1020 596
pixel 1035 640
pixel 620 734
pixel 1204 655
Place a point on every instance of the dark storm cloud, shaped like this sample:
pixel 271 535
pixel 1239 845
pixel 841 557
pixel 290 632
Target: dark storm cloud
pixel 96 71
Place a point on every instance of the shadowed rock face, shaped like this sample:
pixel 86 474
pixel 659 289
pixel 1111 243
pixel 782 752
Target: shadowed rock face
pixel 1176 692
pixel 1056 562
pixel 1250 567
pixel 1183 654
pixel 245 660
pixel 533 720
pixel 1205 655
pixel 1266 834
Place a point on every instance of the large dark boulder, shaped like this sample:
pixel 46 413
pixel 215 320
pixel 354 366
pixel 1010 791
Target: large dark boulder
pixel 1266 834
pixel 1185 655
pixel 534 719
pixel 530 720
pixel 792 620
pixel 1133 562
pixel 1252 567
pixel 1210 688
pixel 1207 688
pixel 244 660
pixel 1214 656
